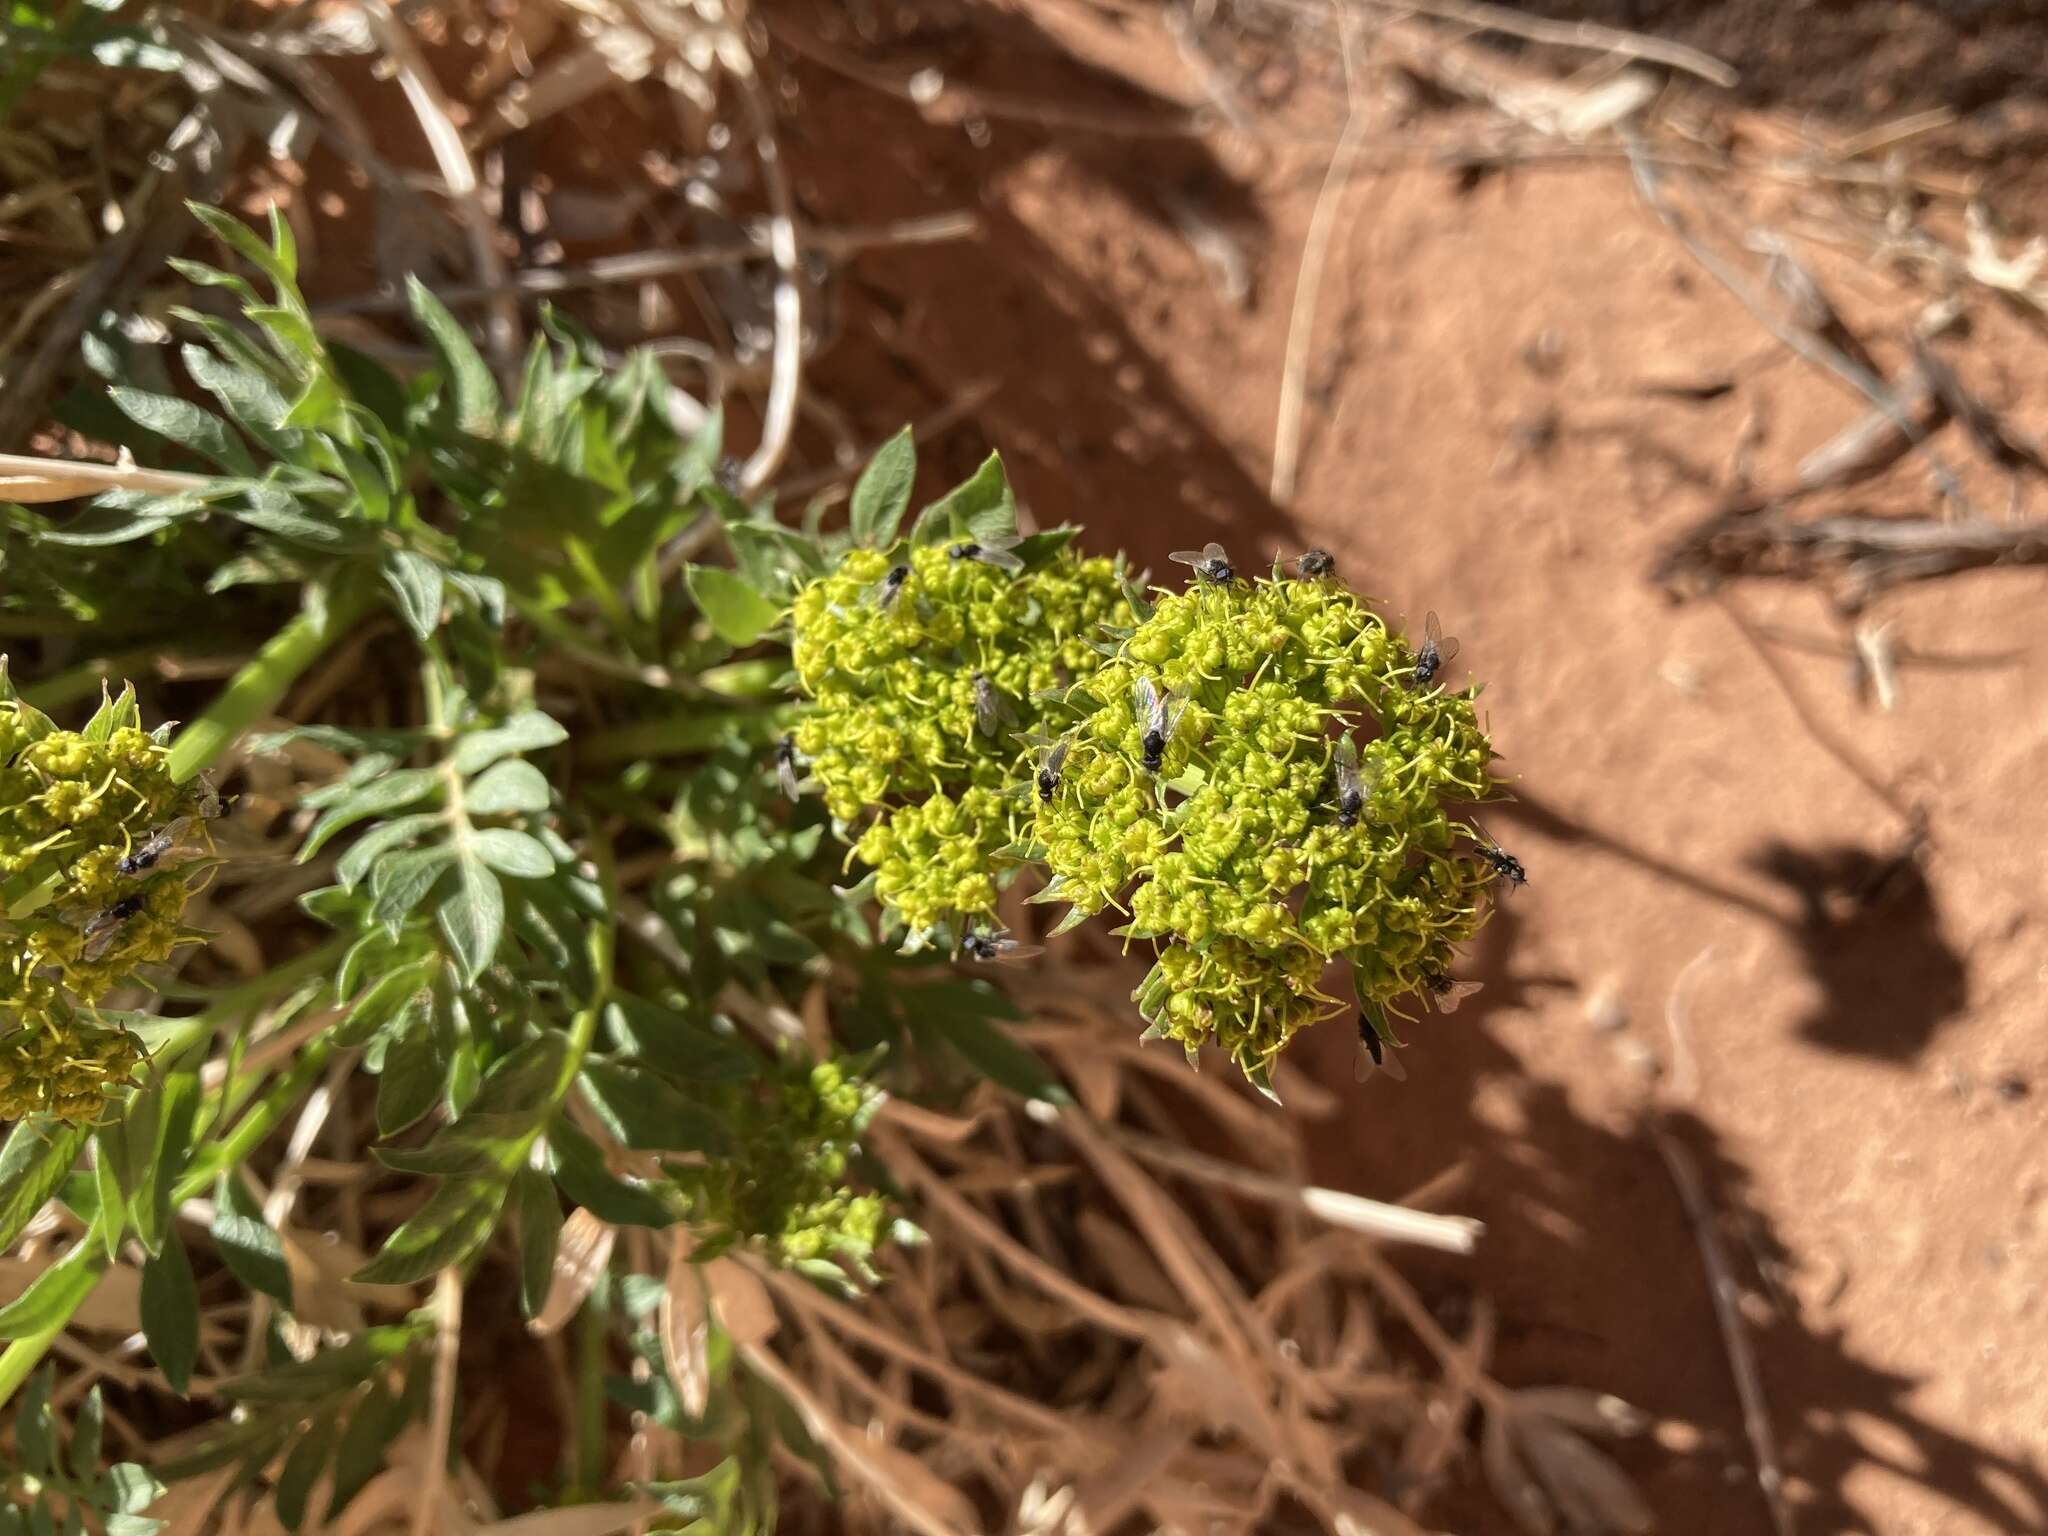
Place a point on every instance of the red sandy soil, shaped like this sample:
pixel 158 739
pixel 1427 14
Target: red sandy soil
pixel 1871 1071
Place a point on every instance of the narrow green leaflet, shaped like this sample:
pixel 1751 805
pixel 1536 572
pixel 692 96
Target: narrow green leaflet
pixel 539 1215
pixel 882 494
pixel 980 507
pixel 738 614
pixel 471 389
pixel 245 1242
pixel 55 1294
pixel 170 1313
pixel 391 792
pixel 187 425
pixel 964 1014
pixel 401 881
pixel 512 853
pixel 528 732
pixel 35 1437
pixel 645 1113
pixel 385 837
pixel 254 403
pixel 33 1162
pixel 418 582
pixel 472 917
pixel 512 788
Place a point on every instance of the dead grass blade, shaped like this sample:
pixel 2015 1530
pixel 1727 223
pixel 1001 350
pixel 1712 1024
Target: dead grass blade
pixel 581 1254
pixel 685 1324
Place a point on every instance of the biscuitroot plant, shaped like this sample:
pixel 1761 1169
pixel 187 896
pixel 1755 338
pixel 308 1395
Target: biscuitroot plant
pixel 1264 783
pixel 514 822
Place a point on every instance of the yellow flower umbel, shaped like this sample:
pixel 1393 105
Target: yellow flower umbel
pixel 925 668
pixel 82 900
pixel 1226 836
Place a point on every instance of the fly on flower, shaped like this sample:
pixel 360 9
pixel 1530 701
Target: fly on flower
pixel 993 550
pixel 1049 767
pixel 1352 785
pixel 1373 1056
pixel 1505 865
pixel 1315 562
pixel 991 710
pixel 1437 652
pixel 1210 562
pixel 146 854
pixel 100 930
pixel 1444 994
pixel 883 594
pixel 786 767
pixel 998 947
pixel 1158 715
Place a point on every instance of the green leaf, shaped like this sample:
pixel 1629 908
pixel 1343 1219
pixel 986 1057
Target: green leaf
pixel 538 1213
pixel 301 1467
pixel 472 916
pixel 246 1243
pixel 252 401
pixel 882 494
pixel 512 853
pixel 456 1221
pixel 579 1168
pixel 33 1162
pixel 185 424
pixel 737 613
pixel 963 1014
pixel 243 241
pixel 381 839
pixel 472 390
pixel 645 1113
pixel 676 1045
pixel 130 1489
pixel 150 1211
pixel 980 507
pixel 697 465
pixel 380 1004
pixel 170 1313
pixel 87 1428
pixel 35 1438
pixel 388 793
pixel 530 731
pixel 377 1422
pixel 418 583
pixel 329 1371
pixel 401 881
pixel 506 789
pixel 415 1067
pixel 55 1294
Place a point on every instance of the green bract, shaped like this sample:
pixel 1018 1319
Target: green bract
pixel 73 804
pixel 894 730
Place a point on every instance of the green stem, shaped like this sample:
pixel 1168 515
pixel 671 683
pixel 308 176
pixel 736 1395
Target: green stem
pixel 256 690
pixel 676 735
pixel 19 1360
pixel 250 1130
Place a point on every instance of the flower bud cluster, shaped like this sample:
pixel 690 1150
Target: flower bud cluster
pixel 1234 852
pixel 785 1188
pixel 920 691
pixel 73 806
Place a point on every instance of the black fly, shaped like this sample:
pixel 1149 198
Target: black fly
pixel 991 709
pixel 1158 714
pixel 1049 770
pixel 1351 785
pixel 1505 865
pixel 1372 1052
pixel 1436 653
pixel 786 766
pixel 1315 562
pixel 99 932
pixel 1444 994
pixel 145 854
pixel 885 592
pixel 999 947
pixel 1210 562
pixel 994 550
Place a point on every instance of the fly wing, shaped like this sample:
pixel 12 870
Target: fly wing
pixel 1057 757
pixel 1348 780
pixel 1170 709
pixel 1011 952
pixel 1001 559
pixel 1189 556
pixel 1447 1001
pixel 785 775
pixel 1432 632
pixel 1213 552
pixel 1148 705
